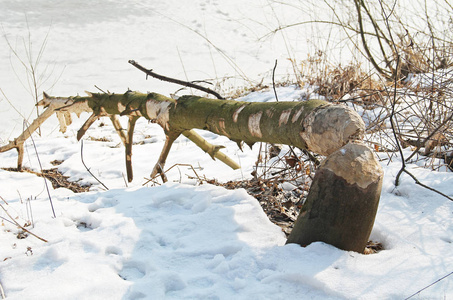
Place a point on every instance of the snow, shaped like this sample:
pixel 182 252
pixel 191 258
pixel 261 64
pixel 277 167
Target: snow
pixel 180 240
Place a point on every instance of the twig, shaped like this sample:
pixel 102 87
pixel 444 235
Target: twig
pixel 425 186
pixel 172 80
pixel 392 115
pixel 180 178
pixel 2 292
pixel 124 178
pixel 451 273
pixel 81 156
pixel 183 68
pixel 5 219
pixel 30 212
pixel 257 162
pixel 12 105
pixel 18 225
pixel 45 181
pixel 392 123
pixel 100 89
pixel 430 136
pixel 273 80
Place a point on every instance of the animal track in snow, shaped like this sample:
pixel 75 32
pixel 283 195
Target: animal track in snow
pixel 133 270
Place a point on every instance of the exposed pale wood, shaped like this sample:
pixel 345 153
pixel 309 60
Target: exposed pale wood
pixel 18 142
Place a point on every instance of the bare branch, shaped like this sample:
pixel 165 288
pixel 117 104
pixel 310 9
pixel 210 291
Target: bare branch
pixel 18 225
pixel 370 56
pixel 81 156
pixel 424 185
pixel 172 80
pixel 273 81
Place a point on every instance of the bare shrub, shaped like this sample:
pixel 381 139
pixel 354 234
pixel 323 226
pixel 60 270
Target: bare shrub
pixel 334 82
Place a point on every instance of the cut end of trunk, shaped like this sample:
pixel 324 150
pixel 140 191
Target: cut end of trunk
pixel 355 163
pixel 331 127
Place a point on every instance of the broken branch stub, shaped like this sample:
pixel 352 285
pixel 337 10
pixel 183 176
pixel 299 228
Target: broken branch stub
pixel 52 105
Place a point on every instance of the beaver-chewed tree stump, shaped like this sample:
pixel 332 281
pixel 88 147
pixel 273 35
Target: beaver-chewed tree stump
pixel 343 199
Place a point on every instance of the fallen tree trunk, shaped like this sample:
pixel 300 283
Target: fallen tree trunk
pixel 341 205
pixel 313 125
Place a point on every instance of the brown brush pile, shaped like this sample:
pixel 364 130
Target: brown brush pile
pixel 281 207
pixel 57 179
pixel 335 82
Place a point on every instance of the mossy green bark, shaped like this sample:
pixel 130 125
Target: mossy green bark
pixel 313 125
pixel 271 122
pixel 116 104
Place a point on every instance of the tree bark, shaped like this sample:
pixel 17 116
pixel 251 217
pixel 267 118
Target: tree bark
pixel 313 125
pixel 64 106
pixel 52 107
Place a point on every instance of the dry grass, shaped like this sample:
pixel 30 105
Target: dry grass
pixel 335 82
pixel 423 104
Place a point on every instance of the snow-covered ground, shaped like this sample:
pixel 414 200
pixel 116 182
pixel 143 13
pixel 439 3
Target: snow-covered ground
pixel 179 240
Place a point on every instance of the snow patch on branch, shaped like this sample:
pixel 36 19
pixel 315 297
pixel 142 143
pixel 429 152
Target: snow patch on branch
pixel 297 115
pixel 158 111
pixel 284 117
pixel 254 124
pixel 236 113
